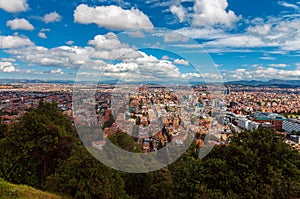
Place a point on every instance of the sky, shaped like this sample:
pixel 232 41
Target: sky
pixel 178 40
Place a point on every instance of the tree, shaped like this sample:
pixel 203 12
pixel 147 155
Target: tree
pixel 3 130
pixel 82 176
pixel 124 141
pixel 33 147
pixel 255 164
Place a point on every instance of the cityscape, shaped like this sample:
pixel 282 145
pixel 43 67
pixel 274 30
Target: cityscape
pixel 162 115
pixel 155 99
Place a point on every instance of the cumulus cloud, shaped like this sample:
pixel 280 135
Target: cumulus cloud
pixel 179 11
pixel 7 67
pixel 109 47
pixel 213 12
pixel 19 24
pixel 181 62
pixel 111 17
pixel 144 68
pixel 175 37
pixel 9 59
pixel 260 29
pixel 62 56
pixel 107 42
pixel 14 5
pixel 70 42
pixel 42 35
pixel 102 47
pixel 279 65
pixel 206 77
pixel 282 34
pixel 52 17
pixel 261 73
pixel 14 41
pixel 57 71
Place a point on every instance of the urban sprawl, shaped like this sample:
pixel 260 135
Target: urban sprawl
pixel 155 116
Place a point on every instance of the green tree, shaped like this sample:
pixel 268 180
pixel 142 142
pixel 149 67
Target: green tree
pixel 255 164
pixel 82 176
pixel 33 147
pixel 126 142
pixel 3 130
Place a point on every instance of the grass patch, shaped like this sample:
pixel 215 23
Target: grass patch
pixel 12 191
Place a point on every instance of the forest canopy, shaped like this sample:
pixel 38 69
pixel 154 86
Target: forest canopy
pixel 43 150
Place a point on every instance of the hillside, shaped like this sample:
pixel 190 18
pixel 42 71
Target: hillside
pixel 9 190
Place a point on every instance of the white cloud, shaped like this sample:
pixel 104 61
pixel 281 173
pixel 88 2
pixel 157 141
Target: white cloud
pixel 267 58
pixel 19 24
pixel 203 33
pixel 7 67
pixel 57 71
pixel 70 42
pixel 8 59
pixel 213 12
pixel 261 73
pixel 45 30
pixel 146 67
pixel 206 77
pixel 14 42
pixel 42 35
pixel 137 34
pixel 14 5
pixel 237 41
pixel 175 37
pixel 260 29
pixel 132 65
pixel 52 17
pixel 288 5
pixel 102 47
pixel 112 17
pixel 179 11
pixel 109 47
pixel 63 56
pixel 181 62
pixel 279 65
pixel 282 34
pixel 108 41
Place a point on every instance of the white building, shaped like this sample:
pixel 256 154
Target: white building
pixel 248 124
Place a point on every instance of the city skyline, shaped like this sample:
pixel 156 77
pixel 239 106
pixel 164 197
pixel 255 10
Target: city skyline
pixel 246 40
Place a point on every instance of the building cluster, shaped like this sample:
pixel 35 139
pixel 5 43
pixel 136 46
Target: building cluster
pixel 277 108
pixel 156 116
pixel 16 100
pixel 275 100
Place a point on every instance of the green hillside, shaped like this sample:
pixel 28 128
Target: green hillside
pixel 9 190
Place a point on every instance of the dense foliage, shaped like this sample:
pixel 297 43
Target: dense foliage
pixel 43 151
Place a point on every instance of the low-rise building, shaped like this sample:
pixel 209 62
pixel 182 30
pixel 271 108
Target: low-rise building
pixel 290 125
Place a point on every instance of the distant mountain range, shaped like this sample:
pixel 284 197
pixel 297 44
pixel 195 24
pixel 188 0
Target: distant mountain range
pixel 9 81
pixel 254 83
pixel 272 83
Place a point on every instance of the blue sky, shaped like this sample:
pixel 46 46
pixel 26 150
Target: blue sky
pixel 53 39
